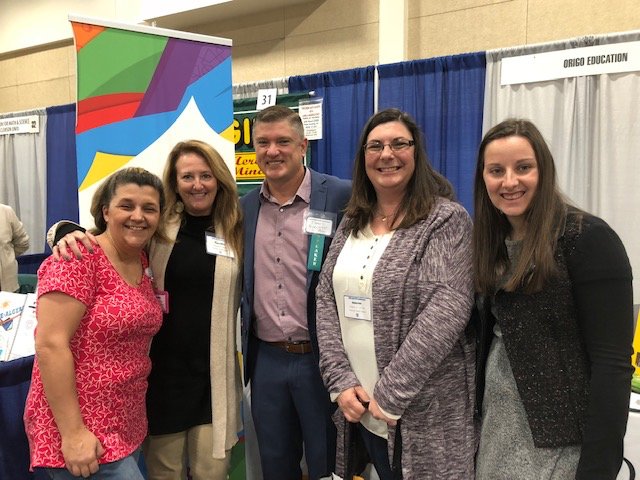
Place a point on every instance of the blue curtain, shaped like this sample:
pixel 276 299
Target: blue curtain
pixel 347 105
pixel 445 96
pixel 15 378
pixel 62 173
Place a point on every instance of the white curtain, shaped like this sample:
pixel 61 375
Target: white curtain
pixel 23 183
pixel 592 125
pixel 250 90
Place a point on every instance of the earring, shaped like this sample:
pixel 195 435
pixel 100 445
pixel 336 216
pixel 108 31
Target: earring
pixel 179 207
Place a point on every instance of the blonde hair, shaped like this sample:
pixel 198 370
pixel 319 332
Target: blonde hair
pixel 226 208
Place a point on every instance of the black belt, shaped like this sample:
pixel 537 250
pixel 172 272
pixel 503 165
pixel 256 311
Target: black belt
pixel 302 346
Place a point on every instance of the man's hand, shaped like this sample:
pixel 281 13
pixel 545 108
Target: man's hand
pixel 68 245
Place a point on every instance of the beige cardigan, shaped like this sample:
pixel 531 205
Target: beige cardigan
pixel 14 241
pixel 226 390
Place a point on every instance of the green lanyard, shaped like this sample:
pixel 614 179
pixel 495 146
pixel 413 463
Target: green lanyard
pixel 316 250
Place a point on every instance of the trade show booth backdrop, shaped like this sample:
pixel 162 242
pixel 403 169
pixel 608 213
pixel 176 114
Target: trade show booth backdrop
pixel 591 122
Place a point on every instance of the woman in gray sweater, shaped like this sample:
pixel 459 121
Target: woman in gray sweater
pixel 394 300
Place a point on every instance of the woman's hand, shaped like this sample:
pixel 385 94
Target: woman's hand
pixel 68 245
pixel 353 403
pixel 81 451
pixel 377 413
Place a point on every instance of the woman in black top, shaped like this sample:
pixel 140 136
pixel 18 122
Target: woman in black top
pixel 556 326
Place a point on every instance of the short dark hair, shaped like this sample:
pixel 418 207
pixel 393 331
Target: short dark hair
pixel 278 113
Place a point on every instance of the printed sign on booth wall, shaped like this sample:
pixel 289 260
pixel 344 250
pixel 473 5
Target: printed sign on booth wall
pixel 311 114
pixel 11 306
pixel 572 62
pixel 16 125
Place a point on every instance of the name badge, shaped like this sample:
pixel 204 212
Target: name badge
pixel 358 308
pixel 163 298
pixel 217 246
pixel 319 223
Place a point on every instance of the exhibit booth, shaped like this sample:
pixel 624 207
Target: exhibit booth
pixel 582 93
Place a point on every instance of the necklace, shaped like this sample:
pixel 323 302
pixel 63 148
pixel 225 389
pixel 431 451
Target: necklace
pixel 131 277
pixel 384 216
pixel 113 244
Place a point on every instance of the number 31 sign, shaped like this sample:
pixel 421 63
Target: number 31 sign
pixel 266 98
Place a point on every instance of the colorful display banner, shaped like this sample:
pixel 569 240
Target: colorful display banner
pixel 140 91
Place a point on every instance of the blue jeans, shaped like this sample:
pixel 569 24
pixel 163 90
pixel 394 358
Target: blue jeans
pixel 127 468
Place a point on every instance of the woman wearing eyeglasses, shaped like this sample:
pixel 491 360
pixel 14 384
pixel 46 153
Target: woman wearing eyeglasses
pixel 393 303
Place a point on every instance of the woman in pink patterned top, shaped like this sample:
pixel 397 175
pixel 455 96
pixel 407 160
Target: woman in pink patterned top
pixel 85 412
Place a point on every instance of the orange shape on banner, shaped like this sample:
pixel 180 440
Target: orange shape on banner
pixel 84 33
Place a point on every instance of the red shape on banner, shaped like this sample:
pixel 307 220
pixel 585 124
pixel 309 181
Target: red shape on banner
pixel 99 111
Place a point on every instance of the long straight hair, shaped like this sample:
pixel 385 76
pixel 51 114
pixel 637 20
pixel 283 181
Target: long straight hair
pixel 544 219
pixel 226 207
pixel 424 186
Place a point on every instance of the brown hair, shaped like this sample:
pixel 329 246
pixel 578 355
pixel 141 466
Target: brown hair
pixel 107 190
pixel 226 209
pixel 544 219
pixel 278 113
pixel 423 188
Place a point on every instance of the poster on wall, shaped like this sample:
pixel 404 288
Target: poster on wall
pixel 248 174
pixel 140 91
pixel 11 306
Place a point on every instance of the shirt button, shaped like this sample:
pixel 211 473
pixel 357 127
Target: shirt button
pixel 361 277
pixel 278 260
pixel 279 234
pixel 279 285
pixel 281 210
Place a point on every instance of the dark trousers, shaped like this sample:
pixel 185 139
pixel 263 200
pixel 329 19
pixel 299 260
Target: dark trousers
pixel 377 447
pixel 290 407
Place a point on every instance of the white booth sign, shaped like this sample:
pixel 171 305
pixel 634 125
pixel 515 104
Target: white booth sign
pixel 26 124
pixel 574 62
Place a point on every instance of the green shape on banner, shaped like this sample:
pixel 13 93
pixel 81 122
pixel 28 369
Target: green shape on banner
pixel 109 64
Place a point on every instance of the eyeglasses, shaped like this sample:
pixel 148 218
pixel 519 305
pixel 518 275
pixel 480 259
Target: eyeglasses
pixel 373 148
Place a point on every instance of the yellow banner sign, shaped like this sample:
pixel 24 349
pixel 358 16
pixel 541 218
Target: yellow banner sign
pixel 246 167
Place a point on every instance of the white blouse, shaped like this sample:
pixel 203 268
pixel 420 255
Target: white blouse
pixel 352 286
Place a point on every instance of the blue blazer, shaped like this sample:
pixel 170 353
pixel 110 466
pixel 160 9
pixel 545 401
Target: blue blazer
pixel 328 194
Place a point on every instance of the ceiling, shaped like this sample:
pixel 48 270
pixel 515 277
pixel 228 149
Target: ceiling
pixel 221 11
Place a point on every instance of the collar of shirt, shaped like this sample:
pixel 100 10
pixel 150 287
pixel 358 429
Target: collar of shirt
pixel 303 192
